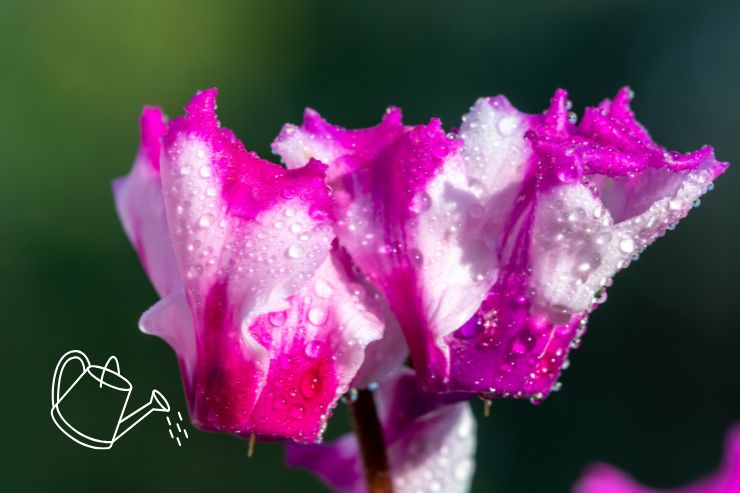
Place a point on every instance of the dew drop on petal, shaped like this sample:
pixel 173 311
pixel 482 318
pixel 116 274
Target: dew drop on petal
pixel 310 384
pixel 313 349
pixel 506 125
pixel 523 342
pixel 205 221
pixel 416 256
pixel 462 469
pixel 297 411
pixel 357 290
pixel 277 319
pixel 317 213
pixel 603 238
pixel 295 251
pixel 627 245
pixel 317 315
pixel 421 202
pixel 322 288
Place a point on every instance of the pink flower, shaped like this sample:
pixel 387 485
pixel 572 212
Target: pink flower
pixel 430 442
pixel 268 320
pixel 493 244
pixel 605 479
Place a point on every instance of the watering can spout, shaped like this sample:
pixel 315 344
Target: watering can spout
pixel 157 403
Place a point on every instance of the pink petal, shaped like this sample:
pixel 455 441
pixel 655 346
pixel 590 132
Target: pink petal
pixel 380 177
pixel 491 257
pixel 170 319
pixel 275 332
pixel 602 478
pixel 139 203
pixel 316 348
pixel 430 443
pixel 385 355
pixel 593 197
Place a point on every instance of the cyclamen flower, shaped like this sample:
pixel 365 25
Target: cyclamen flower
pixel 430 442
pixel 260 308
pixel 493 244
pixel 605 479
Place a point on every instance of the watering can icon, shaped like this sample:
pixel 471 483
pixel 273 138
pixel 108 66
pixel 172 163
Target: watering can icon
pixel 100 388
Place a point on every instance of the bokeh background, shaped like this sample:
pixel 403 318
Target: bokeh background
pixel 654 387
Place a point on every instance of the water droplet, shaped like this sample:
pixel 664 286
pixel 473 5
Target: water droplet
pixel 568 174
pixel 310 384
pixel 600 296
pixel 185 170
pixel 317 315
pixel 322 288
pixel 277 319
pixel 289 212
pixel 462 469
pixel 296 228
pixel 627 245
pixel 297 411
pixel 295 251
pixel 524 342
pixel 279 403
pixel 195 271
pixel 476 188
pixel 603 238
pixel 506 125
pixel 279 224
pixel 416 256
pixel 576 215
pixel 285 361
pixel 205 221
pixel 205 171
pixel 357 290
pixel 421 202
pixel 317 213
pixel 313 349
pixel 675 205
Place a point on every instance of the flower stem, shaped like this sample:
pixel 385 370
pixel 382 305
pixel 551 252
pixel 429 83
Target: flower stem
pixel 369 433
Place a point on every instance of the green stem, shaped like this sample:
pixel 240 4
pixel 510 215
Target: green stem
pixel 369 433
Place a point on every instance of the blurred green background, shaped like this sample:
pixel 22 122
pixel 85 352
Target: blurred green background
pixel 652 390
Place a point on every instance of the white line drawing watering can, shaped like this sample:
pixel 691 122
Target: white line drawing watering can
pixel 94 386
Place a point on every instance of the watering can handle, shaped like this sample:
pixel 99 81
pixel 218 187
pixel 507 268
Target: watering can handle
pixel 117 371
pixel 59 370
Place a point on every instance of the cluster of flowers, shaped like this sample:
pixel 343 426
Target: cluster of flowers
pixel 479 252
